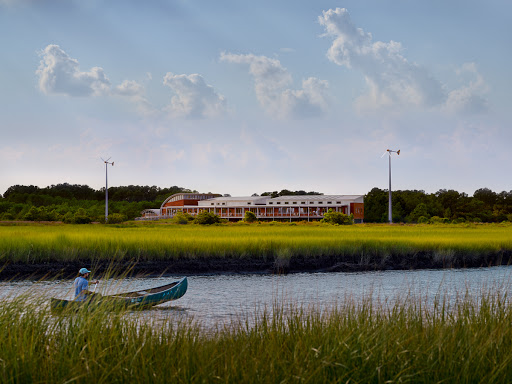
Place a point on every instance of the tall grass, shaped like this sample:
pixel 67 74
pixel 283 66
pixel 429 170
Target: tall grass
pixel 468 341
pixel 39 243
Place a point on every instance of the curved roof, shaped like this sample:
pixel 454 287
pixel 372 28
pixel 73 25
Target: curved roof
pixel 189 196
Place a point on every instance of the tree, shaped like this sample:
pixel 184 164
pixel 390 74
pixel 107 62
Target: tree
pixel 487 196
pixel 375 205
pixel 250 217
pixel 419 212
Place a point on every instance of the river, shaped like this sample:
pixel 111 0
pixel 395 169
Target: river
pixel 217 299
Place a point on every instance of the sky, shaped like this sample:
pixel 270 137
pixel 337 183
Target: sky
pixel 243 97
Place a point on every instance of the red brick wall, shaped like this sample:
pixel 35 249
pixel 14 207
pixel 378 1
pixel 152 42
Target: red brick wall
pixel 357 209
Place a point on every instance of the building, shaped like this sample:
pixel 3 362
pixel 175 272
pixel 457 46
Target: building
pixel 289 208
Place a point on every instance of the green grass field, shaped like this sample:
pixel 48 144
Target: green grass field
pixel 40 243
pixel 467 342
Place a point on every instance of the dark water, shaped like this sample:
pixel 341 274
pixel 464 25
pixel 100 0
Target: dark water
pixel 218 299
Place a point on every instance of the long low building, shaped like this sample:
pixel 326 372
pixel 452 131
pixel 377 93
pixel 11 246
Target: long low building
pixel 292 208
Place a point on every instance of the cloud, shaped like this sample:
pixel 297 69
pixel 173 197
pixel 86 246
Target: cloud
pixel 194 98
pixel 393 81
pixel 9 154
pixel 468 99
pixel 272 84
pixel 59 73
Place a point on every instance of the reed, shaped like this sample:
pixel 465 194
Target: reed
pixel 469 340
pixel 41 243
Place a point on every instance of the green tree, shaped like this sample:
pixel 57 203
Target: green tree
pixel 419 211
pixel 375 205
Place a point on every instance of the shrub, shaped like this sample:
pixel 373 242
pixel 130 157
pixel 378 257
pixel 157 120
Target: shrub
pixel 422 220
pixel 115 218
pixel 438 220
pixel 206 218
pixel 7 216
pixel 332 217
pixel 250 217
pixel 181 218
pixel 81 217
pixel 32 214
pixel 68 218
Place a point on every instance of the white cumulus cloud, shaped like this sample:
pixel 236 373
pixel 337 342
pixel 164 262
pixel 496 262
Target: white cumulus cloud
pixel 272 84
pixel 59 73
pixel 393 81
pixel 193 98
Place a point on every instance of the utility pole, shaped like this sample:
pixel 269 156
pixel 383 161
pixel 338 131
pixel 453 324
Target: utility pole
pixel 390 204
pixel 106 186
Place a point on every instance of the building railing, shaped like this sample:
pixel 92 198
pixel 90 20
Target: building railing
pixel 242 215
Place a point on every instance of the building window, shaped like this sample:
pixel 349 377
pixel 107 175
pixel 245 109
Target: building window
pixel 338 202
pixel 329 202
pixel 286 202
pixel 319 202
pixel 211 203
pixel 223 203
pixel 311 202
pixel 271 202
pixel 303 202
pixel 278 202
pixel 294 202
pixel 248 203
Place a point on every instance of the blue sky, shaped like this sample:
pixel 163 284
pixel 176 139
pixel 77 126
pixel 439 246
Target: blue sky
pixel 241 96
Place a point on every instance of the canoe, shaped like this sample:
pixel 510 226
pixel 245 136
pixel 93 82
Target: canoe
pixel 132 300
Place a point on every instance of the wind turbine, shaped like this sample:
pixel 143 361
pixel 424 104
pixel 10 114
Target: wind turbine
pixel 390 206
pixel 106 186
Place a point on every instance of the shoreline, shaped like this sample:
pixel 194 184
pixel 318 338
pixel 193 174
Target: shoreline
pixel 277 265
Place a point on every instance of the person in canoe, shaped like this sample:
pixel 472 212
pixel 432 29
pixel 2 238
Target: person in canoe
pixel 81 285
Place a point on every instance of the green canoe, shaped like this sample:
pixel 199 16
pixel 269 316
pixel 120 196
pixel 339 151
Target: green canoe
pixel 137 299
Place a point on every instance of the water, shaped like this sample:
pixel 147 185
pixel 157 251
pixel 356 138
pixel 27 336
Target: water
pixel 217 299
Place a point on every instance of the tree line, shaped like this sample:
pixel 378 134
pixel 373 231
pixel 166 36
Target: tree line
pixel 74 203
pixel 416 206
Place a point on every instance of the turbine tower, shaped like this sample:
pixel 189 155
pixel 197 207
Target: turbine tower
pixel 106 186
pixel 390 204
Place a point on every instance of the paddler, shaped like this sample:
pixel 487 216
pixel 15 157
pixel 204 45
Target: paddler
pixel 81 285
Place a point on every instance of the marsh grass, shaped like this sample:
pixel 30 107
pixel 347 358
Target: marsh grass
pixel 357 243
pixel 466 340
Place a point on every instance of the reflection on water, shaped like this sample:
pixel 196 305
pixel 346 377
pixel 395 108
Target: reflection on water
pixel 217 299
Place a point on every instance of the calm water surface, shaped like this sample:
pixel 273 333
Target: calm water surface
pixel 217 299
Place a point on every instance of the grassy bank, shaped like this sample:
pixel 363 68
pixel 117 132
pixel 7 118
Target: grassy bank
pixel 471 341
pixel 42 243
